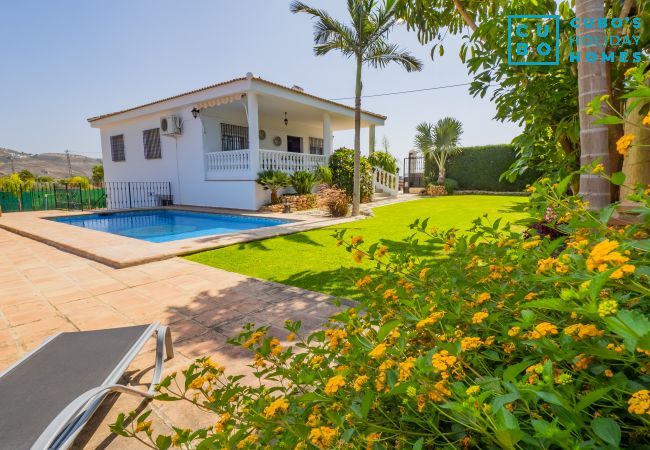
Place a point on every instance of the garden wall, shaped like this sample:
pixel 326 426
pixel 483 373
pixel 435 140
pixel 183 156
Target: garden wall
pixel 479 168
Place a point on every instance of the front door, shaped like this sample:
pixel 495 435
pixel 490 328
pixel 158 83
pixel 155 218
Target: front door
pixel 294 144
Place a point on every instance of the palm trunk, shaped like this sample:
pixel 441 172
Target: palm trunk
pixel 592 82
pixel 356 190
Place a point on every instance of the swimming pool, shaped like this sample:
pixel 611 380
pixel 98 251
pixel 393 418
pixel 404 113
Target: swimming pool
pixel 164 225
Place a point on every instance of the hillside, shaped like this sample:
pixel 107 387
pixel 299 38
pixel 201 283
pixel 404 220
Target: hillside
pixel 54 165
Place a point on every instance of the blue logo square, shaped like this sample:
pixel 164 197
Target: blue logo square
pixel 533 40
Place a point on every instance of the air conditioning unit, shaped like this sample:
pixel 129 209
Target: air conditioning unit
pixel 170 125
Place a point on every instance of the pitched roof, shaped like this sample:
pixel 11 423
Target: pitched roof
pixel 234 80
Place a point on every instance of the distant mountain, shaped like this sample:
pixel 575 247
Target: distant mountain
pixel 54 165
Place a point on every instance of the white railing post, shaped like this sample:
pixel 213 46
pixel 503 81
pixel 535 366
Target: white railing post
pixel 385 181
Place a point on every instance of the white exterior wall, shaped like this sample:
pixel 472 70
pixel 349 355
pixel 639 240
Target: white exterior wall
pixel 183 161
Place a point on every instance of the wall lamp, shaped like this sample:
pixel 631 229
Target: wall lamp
pixel 195 112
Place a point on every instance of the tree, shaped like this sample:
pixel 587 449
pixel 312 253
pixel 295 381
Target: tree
pixel 437 141
pixel 543 100
pixel 14 185
pixel 364 40
pixel 98 173
pixel 273 180
pixel 26 175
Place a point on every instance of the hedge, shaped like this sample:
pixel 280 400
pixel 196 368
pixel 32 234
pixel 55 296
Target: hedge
pixel 479 168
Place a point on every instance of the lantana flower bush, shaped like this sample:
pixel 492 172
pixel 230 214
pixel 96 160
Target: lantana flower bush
pixel 498 337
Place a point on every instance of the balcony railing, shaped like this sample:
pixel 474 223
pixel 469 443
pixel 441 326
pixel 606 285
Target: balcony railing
pixel 290 162
pixel 237 164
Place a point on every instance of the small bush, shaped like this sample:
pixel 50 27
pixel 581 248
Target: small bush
pixel 451 185
pixel 304 181
pixel 324 174
pixel 335 200
pixel 342 166
pixel 273 180
pixel 383 160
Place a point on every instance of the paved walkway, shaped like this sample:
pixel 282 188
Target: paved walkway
pixel 44 290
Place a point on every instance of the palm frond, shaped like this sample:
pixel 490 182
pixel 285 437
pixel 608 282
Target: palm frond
pixel 446 134
pixel 424 138
pixel 382 53
pixel 326 28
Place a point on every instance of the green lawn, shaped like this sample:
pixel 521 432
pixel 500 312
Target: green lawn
pixel 311 259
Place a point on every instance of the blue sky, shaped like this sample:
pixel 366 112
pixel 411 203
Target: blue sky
pixel 65 61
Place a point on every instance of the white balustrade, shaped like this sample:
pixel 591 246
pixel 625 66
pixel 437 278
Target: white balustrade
pixel 289 162
pixel 385 181
pixel 234 163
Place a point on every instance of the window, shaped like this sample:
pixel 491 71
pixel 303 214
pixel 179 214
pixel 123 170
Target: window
pixel 151 140
pixel 315 146
pixel 233 137
pixel 117 148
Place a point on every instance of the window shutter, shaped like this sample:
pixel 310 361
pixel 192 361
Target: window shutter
pixel 151 140
pixel 117 148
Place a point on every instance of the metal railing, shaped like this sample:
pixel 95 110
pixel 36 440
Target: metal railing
pixel 138 194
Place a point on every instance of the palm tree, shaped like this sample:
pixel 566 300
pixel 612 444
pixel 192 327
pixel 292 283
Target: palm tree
pixel 437 141
pixel 364 39
pixel 273 180
pixel 592 82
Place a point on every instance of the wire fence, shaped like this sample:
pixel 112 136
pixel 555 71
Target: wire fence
pixel 73 196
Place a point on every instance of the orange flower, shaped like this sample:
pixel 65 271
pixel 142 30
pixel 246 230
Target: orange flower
pixel 623 144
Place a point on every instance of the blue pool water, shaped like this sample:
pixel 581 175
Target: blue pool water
pixel 167 225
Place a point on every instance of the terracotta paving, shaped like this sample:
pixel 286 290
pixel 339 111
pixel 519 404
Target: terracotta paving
pixel 44 290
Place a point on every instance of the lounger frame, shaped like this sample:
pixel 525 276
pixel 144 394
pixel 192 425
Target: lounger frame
pixel 65 427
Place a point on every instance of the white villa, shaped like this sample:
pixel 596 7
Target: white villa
pixel 210 143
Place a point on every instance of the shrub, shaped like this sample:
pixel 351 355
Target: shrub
pixel 342 166
pixel 324 174
pixel 273 180
pixel 304 181
pixel 334 199
pixel 384 160
pixel 480 168
pixel 491 341
pixel 82 182
pixel 451 185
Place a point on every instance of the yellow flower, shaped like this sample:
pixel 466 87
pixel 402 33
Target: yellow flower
pixel 623 144
pixel 472 390
pixel 358 256
pixel 359 382
pixel 482 298
pixel 442 360
pixel 543 329
pixel 405 368
pixel 336 336
pixel 599 168
pixel 291 337
pixel 608 373
pixel 381 251
pixel 604 254
pixel 334 384
pixel 363 282
pixel 423 273
pixel 221 423
pixel 514 331
pixel 378 352
pixel 479 317
pixel 247 441
pixel 440 391
pixel 390 294
pixel 144 426
pixel 622 271
pixel 530 296
pixel 357 240
pixel 646 120
pixel 323 437
pixel 607 308
pixel 279 405
pixel 431 320
pixel 470 343
pixel 581 331
pixel 639 403
pixel 197 383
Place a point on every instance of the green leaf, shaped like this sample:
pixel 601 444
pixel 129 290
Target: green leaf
pixel 643 92
pixel 366 402
pixel 507 431
pixel 418 444
pixel 608 430
pixel 630 325
pixel 588 399
pixel 609 120
pixel 644 342
pixel 512 371
pixel 163 442
pixel 618 178
pixel 387 328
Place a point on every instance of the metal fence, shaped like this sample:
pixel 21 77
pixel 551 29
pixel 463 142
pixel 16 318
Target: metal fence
pixel 72 196
pixel 414 171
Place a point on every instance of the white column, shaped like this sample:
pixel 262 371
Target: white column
pixel 327 134
pixel 253 132
pixel 371 139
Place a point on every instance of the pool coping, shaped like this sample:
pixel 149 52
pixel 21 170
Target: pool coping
pixel 120 251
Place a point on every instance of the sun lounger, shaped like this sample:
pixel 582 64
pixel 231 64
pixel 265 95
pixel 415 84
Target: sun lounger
pixel 48 396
